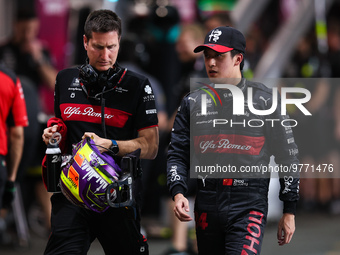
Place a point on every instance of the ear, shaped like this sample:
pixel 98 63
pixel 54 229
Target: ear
pixel 85 41
pixel 238 58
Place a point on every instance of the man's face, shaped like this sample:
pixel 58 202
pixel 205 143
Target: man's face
pixel 184 46
pixel 102 49
pixel 26 30
pixel 222 65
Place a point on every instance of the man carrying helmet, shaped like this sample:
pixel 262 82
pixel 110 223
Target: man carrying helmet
pixel 115 108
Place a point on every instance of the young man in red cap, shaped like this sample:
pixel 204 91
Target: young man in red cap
pixel 216 144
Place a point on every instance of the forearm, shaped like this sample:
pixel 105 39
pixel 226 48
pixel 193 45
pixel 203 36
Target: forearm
pixel 16 144
pixel 48 74
pixel 319 97
pixel 289 193
pixel 148 150
pixel 43 63
pixel 147 141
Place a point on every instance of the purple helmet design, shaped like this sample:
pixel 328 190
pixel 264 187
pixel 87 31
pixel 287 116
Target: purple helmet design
pixel 84 180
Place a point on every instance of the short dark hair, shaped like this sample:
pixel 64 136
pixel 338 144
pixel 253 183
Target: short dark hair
pixel 233 53
pixel 26 14
pixel 102 21
pixel 222 17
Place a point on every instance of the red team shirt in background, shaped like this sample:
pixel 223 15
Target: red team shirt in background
pixel 12 107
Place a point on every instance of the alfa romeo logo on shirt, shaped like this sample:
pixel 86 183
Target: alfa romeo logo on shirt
pixel 148 89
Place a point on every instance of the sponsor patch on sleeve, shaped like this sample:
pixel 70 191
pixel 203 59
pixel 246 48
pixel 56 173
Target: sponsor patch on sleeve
pixel 151 111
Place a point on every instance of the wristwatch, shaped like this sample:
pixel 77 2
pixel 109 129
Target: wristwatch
pixel 114 147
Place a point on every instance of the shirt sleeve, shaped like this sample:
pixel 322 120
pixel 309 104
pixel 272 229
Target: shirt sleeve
pixel 285 150
pixel 18 111
pixel 146 116
pixel 178 163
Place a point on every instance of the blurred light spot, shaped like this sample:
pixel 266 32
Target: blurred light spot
pixel 161 11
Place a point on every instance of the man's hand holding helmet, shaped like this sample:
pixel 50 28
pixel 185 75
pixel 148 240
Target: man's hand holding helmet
pixel 103 144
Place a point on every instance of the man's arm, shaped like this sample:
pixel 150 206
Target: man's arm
pixel 147 141
pixel 48 74
pixel 16 145
pixel 16 132
pixel 42 59
pixel 285 150
pixel 179 161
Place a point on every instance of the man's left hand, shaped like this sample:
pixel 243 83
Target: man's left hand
pixel 286 228
pixel 9 194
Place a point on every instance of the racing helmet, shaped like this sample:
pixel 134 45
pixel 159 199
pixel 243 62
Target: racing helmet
pixel 85 178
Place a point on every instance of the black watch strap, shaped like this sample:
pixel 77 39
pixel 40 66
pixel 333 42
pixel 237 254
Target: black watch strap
pixel 114 147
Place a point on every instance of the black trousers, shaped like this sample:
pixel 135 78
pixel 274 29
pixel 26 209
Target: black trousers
pixel 238 228
pixel 73 229
pixel 3 177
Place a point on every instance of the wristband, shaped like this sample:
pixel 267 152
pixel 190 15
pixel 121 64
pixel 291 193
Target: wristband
pixel 114 147
pixel 10 186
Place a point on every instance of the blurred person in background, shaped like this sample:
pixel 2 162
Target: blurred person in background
pixel 163 28
pixel 25 53
pixel 254 39
pixel 13 119
pixel 30 59
pixel 130 56
pixel 192 66
pixel 333 39
pixel 309 64
pixel 216 20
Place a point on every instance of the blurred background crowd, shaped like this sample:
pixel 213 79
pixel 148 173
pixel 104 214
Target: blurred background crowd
pixel 285 38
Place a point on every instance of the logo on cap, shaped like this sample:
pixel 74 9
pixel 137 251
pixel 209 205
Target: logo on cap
pixel 216 34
